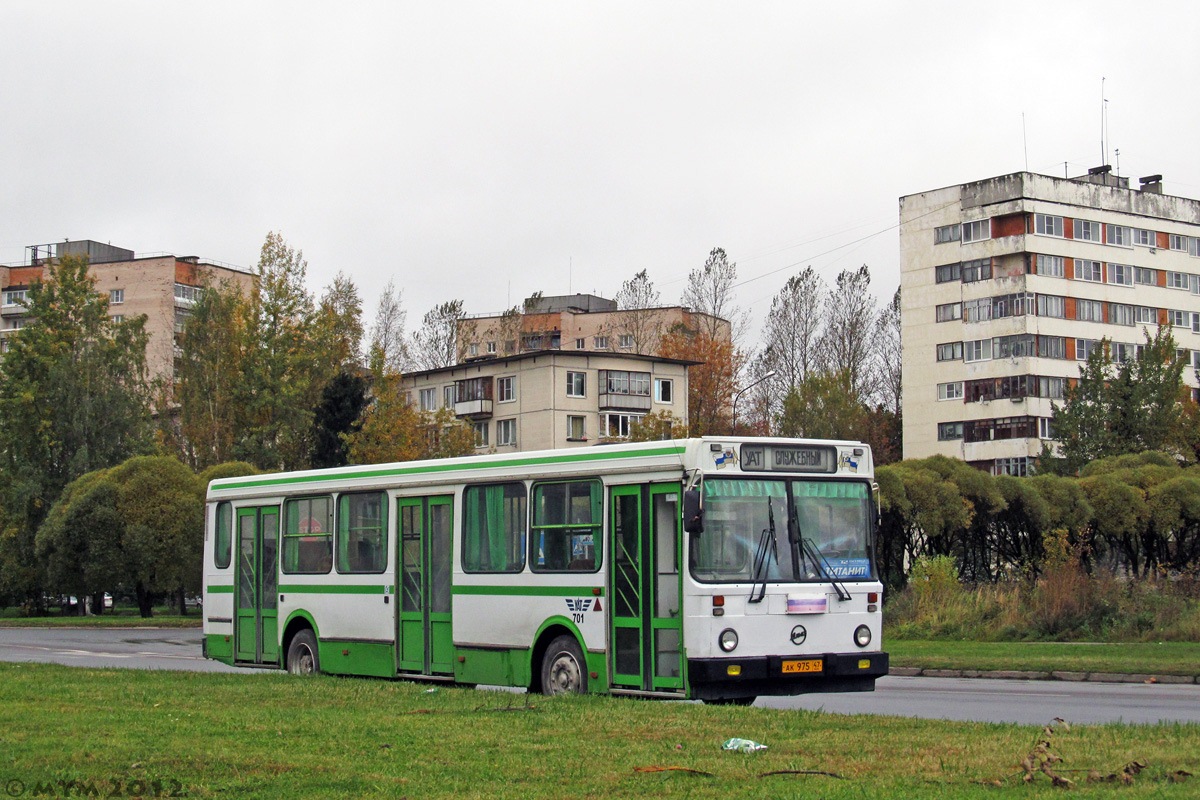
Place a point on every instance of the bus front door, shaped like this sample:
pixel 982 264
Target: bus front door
pixel 647 620
pixel 256 631
pixel 424 642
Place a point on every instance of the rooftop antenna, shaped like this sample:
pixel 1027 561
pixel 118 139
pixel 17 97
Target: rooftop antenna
pixel 1024 141
pixel 1103 124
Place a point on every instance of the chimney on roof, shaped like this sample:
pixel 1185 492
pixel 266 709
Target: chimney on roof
pixel 1152 184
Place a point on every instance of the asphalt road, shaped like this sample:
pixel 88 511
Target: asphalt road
pixel 971 699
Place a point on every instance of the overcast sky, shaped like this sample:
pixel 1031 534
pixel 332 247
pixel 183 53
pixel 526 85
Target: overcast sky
pixel 484 151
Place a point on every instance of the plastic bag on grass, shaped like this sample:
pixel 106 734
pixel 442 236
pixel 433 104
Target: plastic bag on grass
pixel 743 745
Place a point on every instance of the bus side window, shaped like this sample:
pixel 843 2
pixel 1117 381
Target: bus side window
pixel 566 526
pixel 362 533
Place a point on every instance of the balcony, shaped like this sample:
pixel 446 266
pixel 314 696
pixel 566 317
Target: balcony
pixel 473 409
pixel 616 401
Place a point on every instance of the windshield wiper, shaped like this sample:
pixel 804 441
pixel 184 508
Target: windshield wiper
pixel 767 538
pixel 819 560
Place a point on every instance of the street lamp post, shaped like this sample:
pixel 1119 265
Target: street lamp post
pixel 746 388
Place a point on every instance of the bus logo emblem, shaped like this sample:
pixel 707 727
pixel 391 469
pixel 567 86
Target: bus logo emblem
pixel 579 605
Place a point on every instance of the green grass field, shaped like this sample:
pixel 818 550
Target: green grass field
pixel 274 735
pixel 1166 658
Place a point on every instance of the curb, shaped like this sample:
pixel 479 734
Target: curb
pixel 1018 675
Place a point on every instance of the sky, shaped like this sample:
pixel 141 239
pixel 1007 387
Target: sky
pixel 486 151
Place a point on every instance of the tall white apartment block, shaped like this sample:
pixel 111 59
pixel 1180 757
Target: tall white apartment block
pixel 1008 283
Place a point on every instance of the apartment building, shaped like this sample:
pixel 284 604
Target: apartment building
pixel 550 399
pixel 579 322
pixel 164 287
pixel 1007 285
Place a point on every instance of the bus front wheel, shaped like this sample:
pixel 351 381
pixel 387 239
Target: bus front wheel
pixel 302 658
pixel 564 670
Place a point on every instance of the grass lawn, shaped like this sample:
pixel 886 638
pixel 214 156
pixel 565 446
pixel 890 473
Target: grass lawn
pixel 1167 658
pixel 275 735
pixel 104 621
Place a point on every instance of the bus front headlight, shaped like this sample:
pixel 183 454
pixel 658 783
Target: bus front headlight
pixel 728 640
pixel 862 636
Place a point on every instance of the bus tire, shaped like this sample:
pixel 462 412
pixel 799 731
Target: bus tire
pixel 302 658
pixel 564 670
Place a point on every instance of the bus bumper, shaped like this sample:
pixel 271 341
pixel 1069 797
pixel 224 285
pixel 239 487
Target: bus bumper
pixel 762 676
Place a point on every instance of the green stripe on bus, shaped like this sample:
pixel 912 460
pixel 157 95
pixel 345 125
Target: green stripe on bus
pixel 530 591
pixel 221 589
pixel 308 588
pixel 592 454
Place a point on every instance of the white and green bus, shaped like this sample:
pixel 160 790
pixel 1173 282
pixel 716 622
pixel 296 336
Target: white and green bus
pixel 717 568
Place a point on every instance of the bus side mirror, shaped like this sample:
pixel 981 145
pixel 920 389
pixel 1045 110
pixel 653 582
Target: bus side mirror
pixel 693 512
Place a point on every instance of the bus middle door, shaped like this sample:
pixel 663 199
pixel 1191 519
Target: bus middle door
pixel 257 616
pixel 424 639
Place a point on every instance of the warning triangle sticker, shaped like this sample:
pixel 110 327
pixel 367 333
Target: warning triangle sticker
pixel 597 607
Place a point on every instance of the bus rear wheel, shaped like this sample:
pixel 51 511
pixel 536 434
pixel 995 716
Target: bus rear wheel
pixel 564 670
pixel 302 658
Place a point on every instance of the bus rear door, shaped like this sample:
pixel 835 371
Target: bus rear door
pixel 256 631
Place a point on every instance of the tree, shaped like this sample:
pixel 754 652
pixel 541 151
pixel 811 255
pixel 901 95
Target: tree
pixel 337 416
pixel 339 324
pixel 823 406
pixel 849 321
pixel 791 329
pixel 709 291
pixel 388 345
pixel 710 382
pixel 74 397
pixel 80 542
pixel 284 374
pixel 392 429
pixel 887 384
pixel 435 345
pixel 657 426
pixel 1114 409
pixel 642 321
pixel 211 373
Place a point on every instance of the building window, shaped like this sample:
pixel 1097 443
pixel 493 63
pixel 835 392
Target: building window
pixel 448 396
pixel 950 391
pixel 1017 346
pixel 1050 266
pixel 621 382
pixel 1145 277
pixel 1017 466
pixel 16 297
pixel 576 428
pixel 576 384
pixel 1048 225
pixel 118 318
pixel 1146 315
pixel 188 294
pixel 625 341
pixel 1177 280
pixel 979 269
pixel 1179 319
pixel 1051 387
pixel 1121 314
pixel 1122 352
pixel 116 296
pixel 1089 311
pixel 1120 274
pixel 600 342
pixel 428 399
pixel 1087 231
pixel 945 234
pixel 1088 271
pixel 1145 238
pixel 977 350
pixel 506 432
pixel 481 433
pixel 950 351
pixel 1178 242
pixel 1052 347
pixel 948 431
pixel 976 310
pixel 1046 428
pixel 494 528
pixel 473 349
pixel 506 389
pixel 976 231
pixel 948 272
pixel 1119 235
pixel 579 344
pixel 949 312
pixel 491 347
pixel 472 389
pixel 1049 305
pixel 664 390
pixel 617 426
pixel 1085 347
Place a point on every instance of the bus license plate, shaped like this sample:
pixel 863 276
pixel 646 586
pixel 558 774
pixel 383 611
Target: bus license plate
pixel 805 665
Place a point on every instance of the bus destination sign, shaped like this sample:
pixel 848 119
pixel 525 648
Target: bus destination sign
pixel 788 458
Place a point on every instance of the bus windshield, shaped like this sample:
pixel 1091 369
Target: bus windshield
pixel 821 531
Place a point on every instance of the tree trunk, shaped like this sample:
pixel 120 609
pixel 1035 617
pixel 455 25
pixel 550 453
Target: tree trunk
pixel 98 603
pixel 144 601
pixel 182 601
